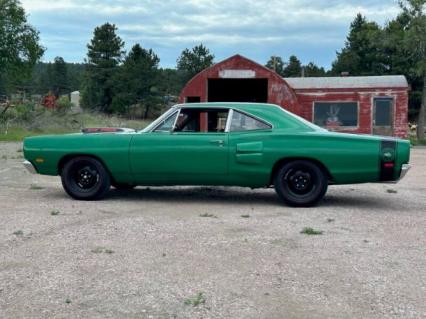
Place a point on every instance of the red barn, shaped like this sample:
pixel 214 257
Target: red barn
pixel 367 104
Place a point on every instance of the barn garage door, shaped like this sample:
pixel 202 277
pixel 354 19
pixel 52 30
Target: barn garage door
pixel 238 90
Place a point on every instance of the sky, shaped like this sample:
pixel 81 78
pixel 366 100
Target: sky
pixel 257 29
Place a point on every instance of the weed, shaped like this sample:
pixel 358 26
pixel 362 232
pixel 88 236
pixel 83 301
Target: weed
pixel 245 216
pixel 55 212
pixel 4 157
pixel 208 215
pixel 196 300
pixel 68 301
pixel 19 150
pixel 35 187
pixel 311 231
pixel 392 191
pixel 330 220
pixel 100 250
pixel 18 233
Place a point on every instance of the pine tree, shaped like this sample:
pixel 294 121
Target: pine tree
pixel 293 68
pixel 105 52
pixel 193 61
pixel 277 64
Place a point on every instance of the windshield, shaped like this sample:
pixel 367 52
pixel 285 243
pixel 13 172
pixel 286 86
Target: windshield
pixel 158 120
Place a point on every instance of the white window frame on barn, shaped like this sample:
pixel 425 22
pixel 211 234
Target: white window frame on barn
pixel 339 104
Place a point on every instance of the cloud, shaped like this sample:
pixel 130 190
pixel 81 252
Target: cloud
pixel 313 30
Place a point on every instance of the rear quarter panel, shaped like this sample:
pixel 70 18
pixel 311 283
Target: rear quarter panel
pixel 348 158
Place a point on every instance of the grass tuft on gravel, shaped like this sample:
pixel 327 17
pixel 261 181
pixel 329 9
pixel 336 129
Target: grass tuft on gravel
pixel 18 233
pixel 208 215
pixel 392 191
pixel 311 231
pixel 36 187
pixel 55 212
pixel 100 250
pixel 245 216
pixel 195 301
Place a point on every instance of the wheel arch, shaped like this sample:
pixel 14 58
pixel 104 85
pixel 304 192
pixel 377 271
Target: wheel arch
pixel 286 160
pixel 68 157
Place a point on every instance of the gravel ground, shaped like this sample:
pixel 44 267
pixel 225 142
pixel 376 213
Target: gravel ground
pixel 149 254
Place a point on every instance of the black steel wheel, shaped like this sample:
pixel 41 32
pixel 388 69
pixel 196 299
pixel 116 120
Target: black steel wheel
pixel 301 183
pixel 85 178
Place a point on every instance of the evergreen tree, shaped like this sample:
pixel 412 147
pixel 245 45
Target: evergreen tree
pixel 361 54
pixel 293 68
pixel 192 62
pixel 136 81
pixel 312 70
pixel 277 64
pixel 105 52
pixel 59 77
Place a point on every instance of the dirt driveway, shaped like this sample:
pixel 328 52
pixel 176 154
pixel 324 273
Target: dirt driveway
pixel 210 252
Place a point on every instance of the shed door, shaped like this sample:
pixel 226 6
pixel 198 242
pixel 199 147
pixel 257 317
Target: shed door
pixel 383 115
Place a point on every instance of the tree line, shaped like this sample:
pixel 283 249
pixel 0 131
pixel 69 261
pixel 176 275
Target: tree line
pixel 112 81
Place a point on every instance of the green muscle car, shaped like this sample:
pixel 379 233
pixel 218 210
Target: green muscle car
pixel 228 144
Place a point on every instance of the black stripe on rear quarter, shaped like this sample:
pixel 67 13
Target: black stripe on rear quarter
pixel 387 172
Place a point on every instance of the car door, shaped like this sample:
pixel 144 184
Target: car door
pixel 247 158
pixel 188 148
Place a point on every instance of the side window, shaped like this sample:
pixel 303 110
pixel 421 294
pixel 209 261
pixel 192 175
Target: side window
pixel 167 124
pixel 241 122
pixel 202 120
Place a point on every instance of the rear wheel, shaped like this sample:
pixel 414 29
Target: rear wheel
pixel 85 178
pixel 301 183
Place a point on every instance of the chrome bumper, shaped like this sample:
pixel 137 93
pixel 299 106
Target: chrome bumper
pixel 404 169
pixel 29 166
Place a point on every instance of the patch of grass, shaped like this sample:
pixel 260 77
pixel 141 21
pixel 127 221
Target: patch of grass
pixel 40 121
pixel 35 187
pixel 55 212
pixel 19 150
pixel 68 301
pixel 245 216
pixel 100 250
pixel 392 191
pixel 414 141
pixel 195 301
pixel 208 215
pixel 330 220
pixel 4 157
pixel 311 231
pixel 18 233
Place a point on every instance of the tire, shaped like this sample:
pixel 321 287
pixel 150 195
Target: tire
pixel 85 178
pixel 300 183
pixel 122 186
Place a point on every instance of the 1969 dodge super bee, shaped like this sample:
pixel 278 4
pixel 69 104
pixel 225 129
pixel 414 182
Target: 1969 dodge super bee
pixel 240 144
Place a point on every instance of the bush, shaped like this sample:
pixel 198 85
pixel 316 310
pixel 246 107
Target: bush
pixel 63 103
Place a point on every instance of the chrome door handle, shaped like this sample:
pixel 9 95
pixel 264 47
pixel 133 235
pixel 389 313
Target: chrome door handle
pixel 218 142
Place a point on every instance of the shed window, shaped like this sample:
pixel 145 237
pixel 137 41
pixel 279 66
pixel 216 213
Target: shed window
pixel 334 114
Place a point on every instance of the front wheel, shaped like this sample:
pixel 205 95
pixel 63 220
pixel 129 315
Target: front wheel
pixel 301 183
pixel 85 178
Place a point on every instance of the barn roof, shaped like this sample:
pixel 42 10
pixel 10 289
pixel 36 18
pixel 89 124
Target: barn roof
pixel 385 81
